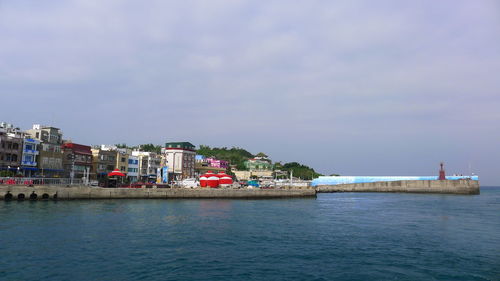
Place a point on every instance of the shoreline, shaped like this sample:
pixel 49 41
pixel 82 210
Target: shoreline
pixel 48 192
pixel 35 193
pixel 464 187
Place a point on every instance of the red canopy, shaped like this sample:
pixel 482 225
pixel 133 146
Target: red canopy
pixel 116 172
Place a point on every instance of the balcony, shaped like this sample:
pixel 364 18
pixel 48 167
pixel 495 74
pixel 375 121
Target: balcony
pixel 31 151
pixel 28 163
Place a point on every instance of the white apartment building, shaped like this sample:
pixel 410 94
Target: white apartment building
pixel 180 159
pixel 133 168
pixel 149 163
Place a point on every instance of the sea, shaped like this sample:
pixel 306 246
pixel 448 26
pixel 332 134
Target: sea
pixel 336 236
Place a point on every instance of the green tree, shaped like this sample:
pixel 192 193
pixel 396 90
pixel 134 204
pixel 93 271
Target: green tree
pixel 300 171
pixel 235 155
pixel 150 148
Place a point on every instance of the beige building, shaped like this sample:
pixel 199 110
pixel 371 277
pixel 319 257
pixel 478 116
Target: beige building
pixel 246 175
pixel 103 162
pixel 50 161
pixel 122 159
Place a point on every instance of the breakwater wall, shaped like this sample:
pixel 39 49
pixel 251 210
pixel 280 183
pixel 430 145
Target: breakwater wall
pixel 413 186
pixel 84 192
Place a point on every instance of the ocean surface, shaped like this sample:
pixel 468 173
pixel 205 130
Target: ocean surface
pixel 337 236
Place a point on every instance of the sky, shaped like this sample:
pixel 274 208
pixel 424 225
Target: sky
pixel 346 87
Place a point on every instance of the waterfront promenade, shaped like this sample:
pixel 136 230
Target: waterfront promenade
pixel 84 192
pixel 63 192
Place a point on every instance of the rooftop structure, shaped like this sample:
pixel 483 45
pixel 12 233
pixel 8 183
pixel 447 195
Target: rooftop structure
pixel 180 159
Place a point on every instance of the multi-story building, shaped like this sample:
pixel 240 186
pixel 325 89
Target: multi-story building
pixel 77 159
pixel 149 163
pixel 210 164
pixel 133 168
pixel 50 159
pixel 122 159
pixel 30 156
pixel 216 163
pixel 259 164
pixel 11 144
pixel 180 160
pixel 103 161
pixel 143 167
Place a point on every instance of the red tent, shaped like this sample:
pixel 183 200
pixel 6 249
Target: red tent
pixel 116 172
pixel 203 181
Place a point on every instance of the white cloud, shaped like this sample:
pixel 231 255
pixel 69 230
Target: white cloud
pixel 288 70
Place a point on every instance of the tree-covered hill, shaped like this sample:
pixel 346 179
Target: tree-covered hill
pixel 235 155
pixel 299 170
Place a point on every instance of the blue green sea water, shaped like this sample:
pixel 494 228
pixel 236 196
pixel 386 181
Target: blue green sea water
pixel 337 236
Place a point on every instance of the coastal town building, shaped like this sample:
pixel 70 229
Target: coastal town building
pixel 29 157
pixel 133 168
pixel 247 175
pixel 11 144
pixel 122 159
pixel 103 161
pixel 50 159
pixel 216 163
pixel 149 163
pixel 180 160
pixel 77 160
pixel 260 163
pixel 205 164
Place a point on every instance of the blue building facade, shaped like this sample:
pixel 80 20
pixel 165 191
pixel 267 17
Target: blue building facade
pixel 29 156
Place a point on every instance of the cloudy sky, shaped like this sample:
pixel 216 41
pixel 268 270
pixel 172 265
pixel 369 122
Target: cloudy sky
pixel 349 87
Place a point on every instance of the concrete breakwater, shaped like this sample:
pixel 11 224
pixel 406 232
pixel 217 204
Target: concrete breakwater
pixel 414 186
pixel 84 192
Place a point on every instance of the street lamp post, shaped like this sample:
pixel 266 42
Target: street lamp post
pixel 72 173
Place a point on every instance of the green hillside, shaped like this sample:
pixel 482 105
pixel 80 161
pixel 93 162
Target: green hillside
pixel 235 155
pixel 299 171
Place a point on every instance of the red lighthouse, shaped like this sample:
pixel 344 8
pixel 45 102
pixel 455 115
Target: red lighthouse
pixel 442 175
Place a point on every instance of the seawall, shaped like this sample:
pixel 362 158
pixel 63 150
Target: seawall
pixel 414 186
pixel 84 192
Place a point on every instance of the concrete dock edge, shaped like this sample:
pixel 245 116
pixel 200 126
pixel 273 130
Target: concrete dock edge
pixel 469 187
pixel 86 193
